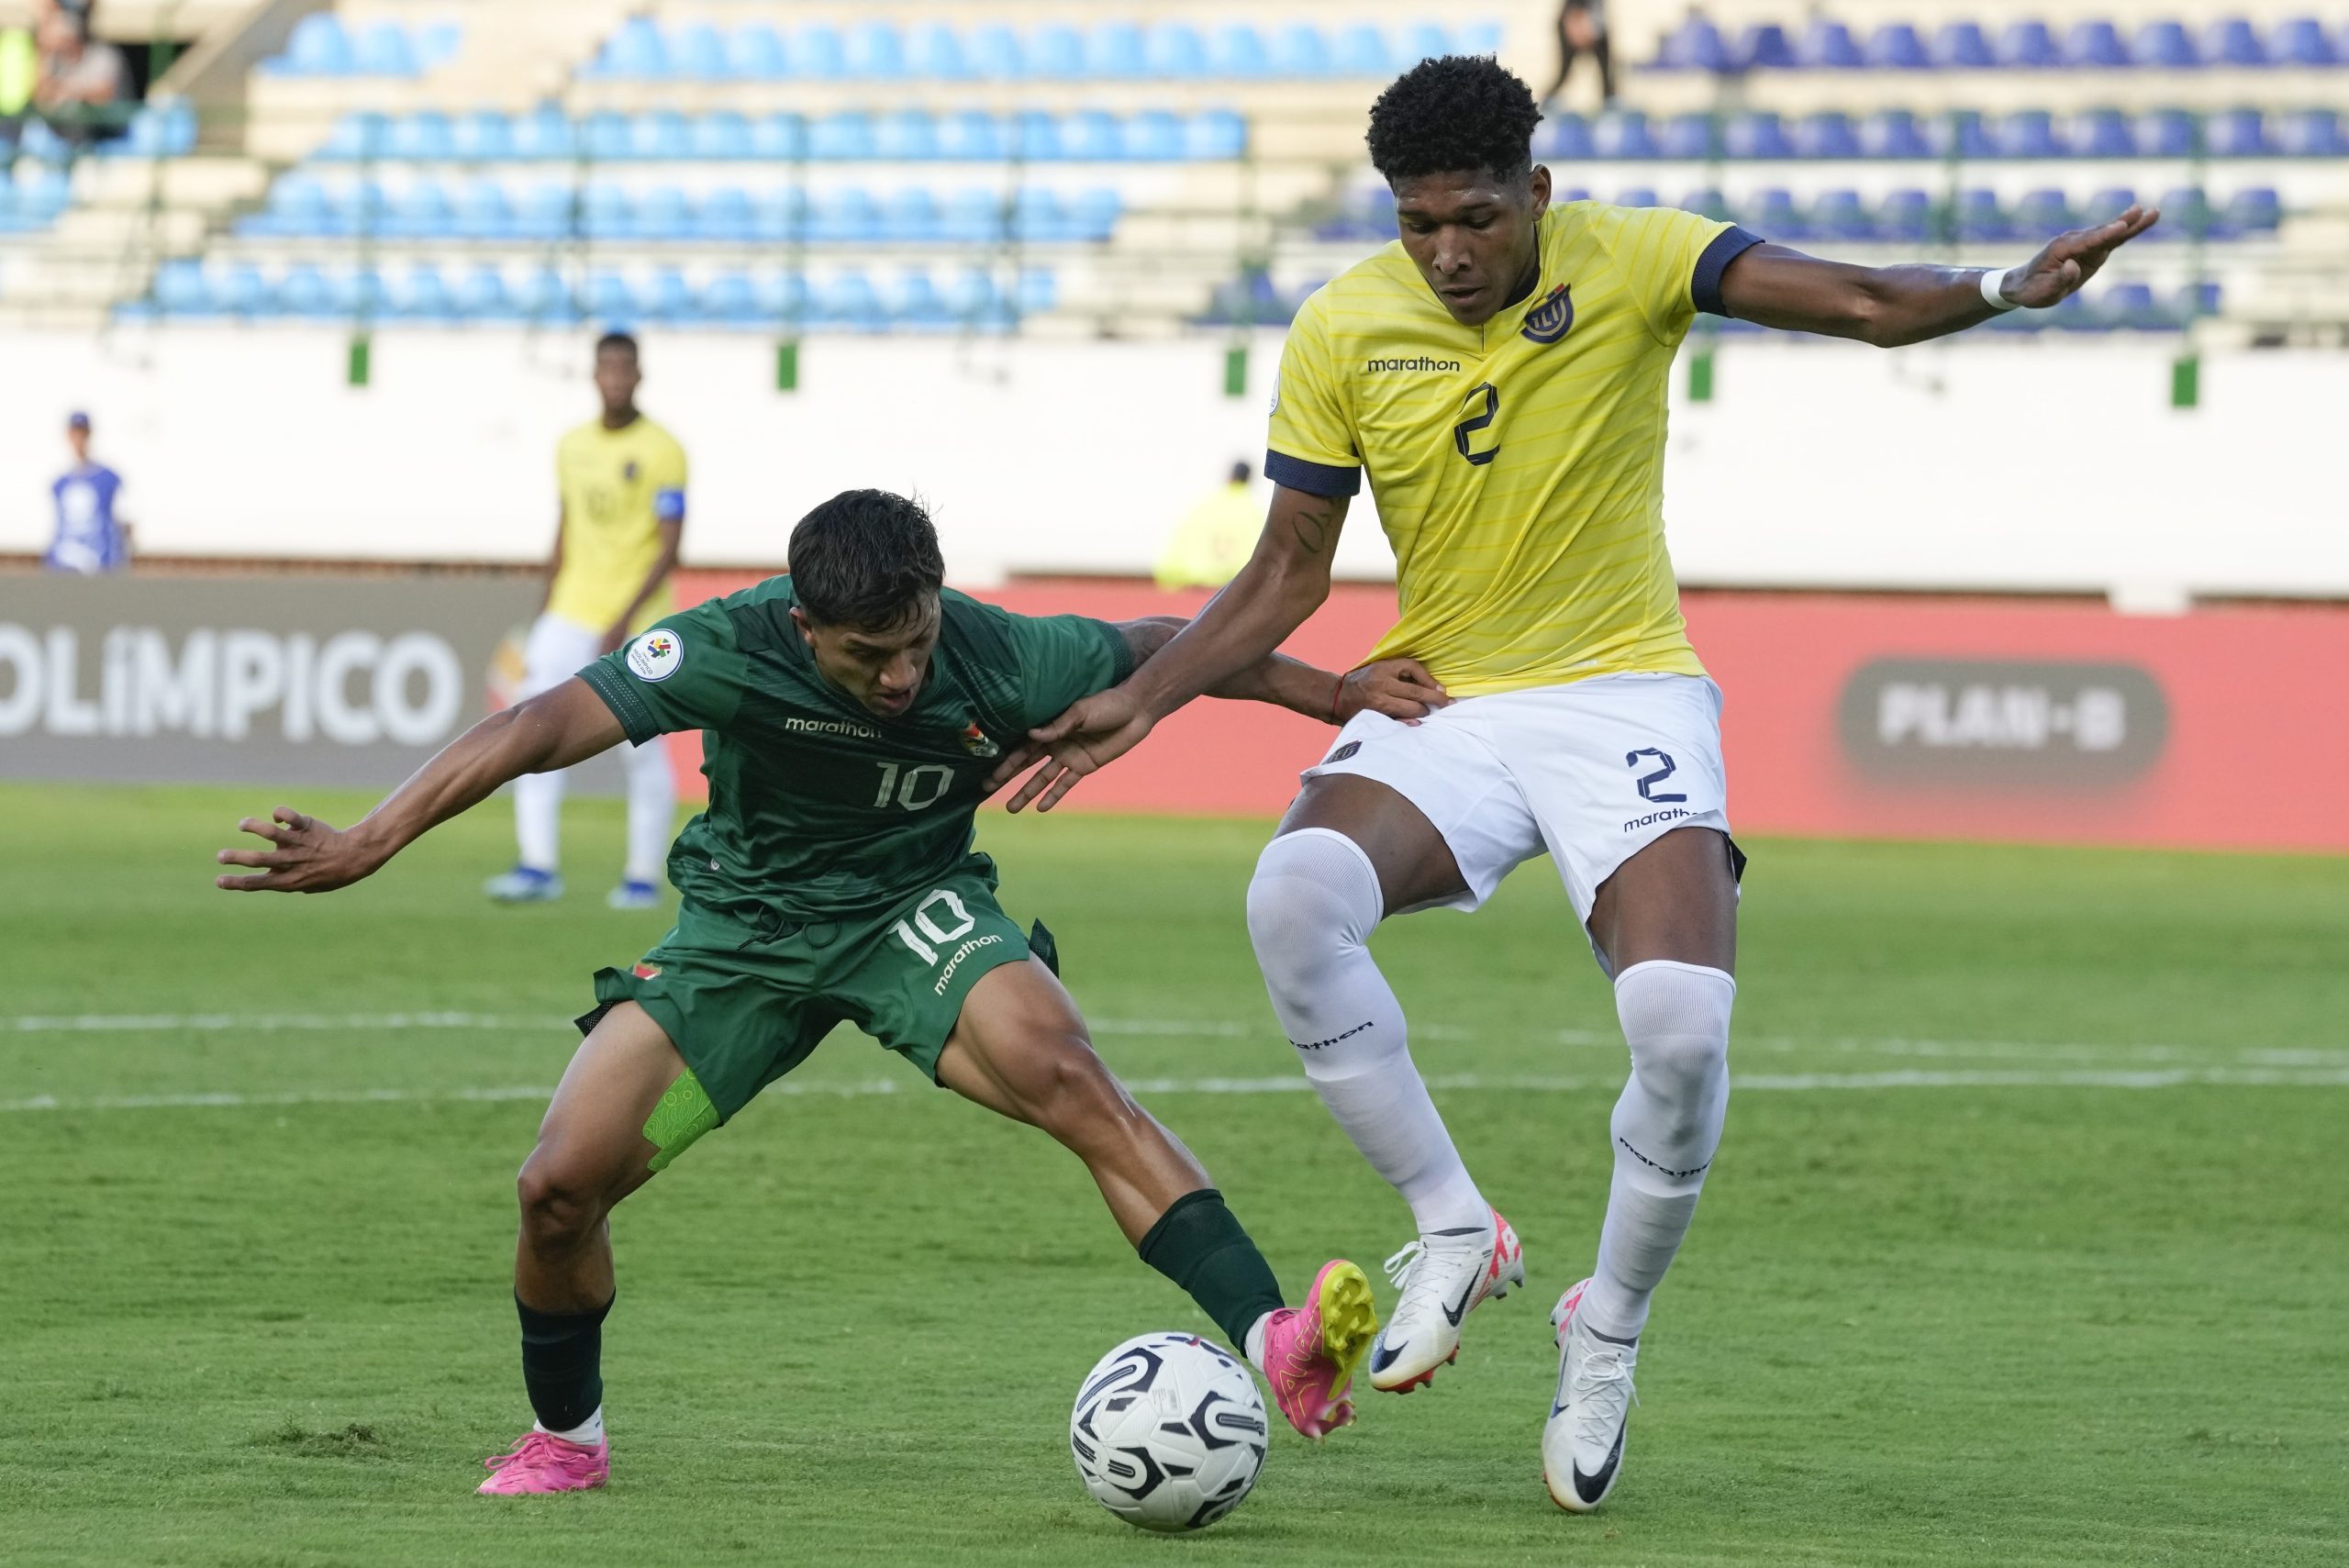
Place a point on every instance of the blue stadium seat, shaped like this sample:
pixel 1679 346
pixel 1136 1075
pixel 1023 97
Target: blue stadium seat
pixel 354 139
pixel 937 54
pixel 2165 46
pixel 782 214
pixel 1905 217
pixel 2107 203
pixel 2187 214
pixel 542 295
pixel 1301 50
pixel 1979 216
pixel 241 290
pixel 549 212
pixel 359 209
pixel 973 299
pixel 2254 209
pixel 720 135
pixel 1056 53
pixel 912 216
pixel 699 53
pixel 610 300
pixel 1116 52
pixel 906 136
pixel 2302 41
pixel 2196 299
pixel 1828 45
pixel 545 134
pixel 781 137
pixel 1362 51
pixel 484 136
pixel 842 136
pixel 318 46
pixel 666 296
pixel 973 218
pixel 481 295
pixel 161 128
pixel 847 300
pixel 2167 133
pixel 636 52
pixel 662 213
pixel 2104 133
pixel 1709 202
pixel 298 207
pixel 1623 133
pixel 1757 135
pixel 436 43
pixel 1637 195
pixel 605 137
pixel 423 294
pixel 997 54
pixel 728 300
pixel 847 217
pixel 181 289
pixel 1424 40
pixel 2029 133
pixel 2312 133
pixel 725 215
pixel 970 135
pixel 1963 46
pixel 1839 215
pixel 662 136
pixel 754 52
pixel 783 297
pixel 2239 133
pixel 2232 41
pixel 1895 46
pixel 1765 47
pixel 1038 291
pixel 1036 136
pixel 2096 44
pixel 1214 135
pixel 1175 50
pixel 1695 45
pixel 1037 217
pixel 1240 52
pixel 358 291
pixel 1565 136
pixel 304 293
pixel 608 212
pixel 1155 136
pixel 877 51
pixel 818 53
pixel 913 301
pixel 483 211
pixel 1827 135
pixel 2130 306
pixel 1095 213
pixel 2029 45
pixel 1688 137
pixel 423 211
pixel 2043 214
pixel 1773 215
pixel 423 137
pixel 1091 136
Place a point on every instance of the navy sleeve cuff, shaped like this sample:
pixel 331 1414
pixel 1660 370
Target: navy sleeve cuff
pixel 1313 478
pixel 1705 285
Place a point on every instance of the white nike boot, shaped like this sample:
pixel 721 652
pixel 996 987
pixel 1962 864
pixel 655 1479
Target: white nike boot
pixel 1442 1278
pixel 1582 1448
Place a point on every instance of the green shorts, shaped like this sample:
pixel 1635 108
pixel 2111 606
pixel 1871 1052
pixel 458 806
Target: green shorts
pixel 746 1003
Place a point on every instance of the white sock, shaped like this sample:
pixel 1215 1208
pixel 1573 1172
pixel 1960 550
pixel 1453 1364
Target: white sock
pixel 1312 908
pixel 1255 1349
pixel 652 809
pixel 538 820
pixel 1665 1128
pixel 587 1433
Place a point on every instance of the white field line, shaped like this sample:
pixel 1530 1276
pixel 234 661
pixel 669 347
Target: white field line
pixel 1795 1083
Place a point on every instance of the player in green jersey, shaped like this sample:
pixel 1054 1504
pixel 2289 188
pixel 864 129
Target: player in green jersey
pixel 851 713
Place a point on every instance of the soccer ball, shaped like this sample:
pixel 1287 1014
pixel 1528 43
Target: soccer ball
pixel 1168 1432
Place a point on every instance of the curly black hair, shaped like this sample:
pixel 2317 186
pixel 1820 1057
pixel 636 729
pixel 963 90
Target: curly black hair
pixel 864 559
pixel 1454 113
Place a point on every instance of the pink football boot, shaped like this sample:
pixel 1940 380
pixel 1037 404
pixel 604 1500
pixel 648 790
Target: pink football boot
pixel 1311 1351
pixel 542 1461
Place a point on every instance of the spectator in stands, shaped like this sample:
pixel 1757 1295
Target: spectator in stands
pixel 1213 543
pixel 1581 30
pixel 92 536
pixel 85 82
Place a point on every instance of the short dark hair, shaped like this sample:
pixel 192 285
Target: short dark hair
pixel 1452 114
pixel 618 340
pixel 866 559
pixel 1241 473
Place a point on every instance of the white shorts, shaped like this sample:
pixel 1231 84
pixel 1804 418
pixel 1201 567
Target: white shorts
pixel 1593 772
pixel 555 651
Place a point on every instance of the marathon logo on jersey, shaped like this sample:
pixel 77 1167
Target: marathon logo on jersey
pixel 1548 321
pixel 2002 722
pixel 1411 362
pixel 976 741
pixel 656 655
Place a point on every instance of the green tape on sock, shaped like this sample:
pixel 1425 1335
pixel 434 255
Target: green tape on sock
pixel 685 1113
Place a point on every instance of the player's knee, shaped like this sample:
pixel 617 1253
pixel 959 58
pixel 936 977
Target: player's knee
pixel 1069 1088
pixel 561 1204
pixel 1675 1019
pixel 1314 899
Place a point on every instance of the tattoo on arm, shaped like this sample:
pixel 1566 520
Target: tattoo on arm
pixel 1312 527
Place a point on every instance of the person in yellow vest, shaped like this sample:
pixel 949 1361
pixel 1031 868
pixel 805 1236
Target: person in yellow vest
pixel 622 480
pixel 1213 541
pixel 19 71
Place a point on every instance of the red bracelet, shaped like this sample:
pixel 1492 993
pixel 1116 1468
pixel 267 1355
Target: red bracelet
pixel 1335 698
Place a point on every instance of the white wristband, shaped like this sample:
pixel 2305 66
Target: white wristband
pixel 1991 296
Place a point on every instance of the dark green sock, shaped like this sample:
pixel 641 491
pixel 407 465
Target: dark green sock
pixel 1199 1245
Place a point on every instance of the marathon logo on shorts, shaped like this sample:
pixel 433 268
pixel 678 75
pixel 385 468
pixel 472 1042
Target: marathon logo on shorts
pixel 946 975
pixel 2002 722
pixel 656 655
pixel 1670 814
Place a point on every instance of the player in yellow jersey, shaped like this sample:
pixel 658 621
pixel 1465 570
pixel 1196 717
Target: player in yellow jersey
pixel 1499 374
pixel 622 481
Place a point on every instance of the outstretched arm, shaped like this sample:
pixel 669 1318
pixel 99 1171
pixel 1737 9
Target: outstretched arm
pixel 554 729
pixel 1400 688
pixel 1889 307
pixel 1285 581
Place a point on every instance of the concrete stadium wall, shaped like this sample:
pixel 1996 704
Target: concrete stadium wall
pixel 2040 466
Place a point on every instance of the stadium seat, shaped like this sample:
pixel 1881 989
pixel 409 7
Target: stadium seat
pixel 549 212
pixel 699 53
pixel 1565 137
pixel 2187 214
pixel 1766 47
pixel 1037 217
pixel 318 46
pixel 1214 135
pixel 483 211
pixel 180 287
pixel 1828 45
pixel 611 300
pixel 1839 215
pixel 1623 134
pixel 783 297
pixel 1979 215
pixel 2029 133
pixel 2029 45
pixel 637 52
pixel 2165 46
pixel 1963 134
pixel 970 135
pixel 973 218
pixel 1905 215
pixel 1362 51
pixel 782 215
pixel 423 137
pixel 484 136
pixel 906 136
pixel 728 300
pixel 354 139
pixel 666 296
pixel 912 216
pixel 877 51
pixel 1301 50
pixel 1155 136
pixel 997 55
pixel 1116 52
pixel 1637 195
pixel 818 53
pixel 1771 214
pixel 1895 46
pixel 1894 133
pixel 2042 214
pixel 304 293
pixel 1424 40
pixel 721 136
pixel 481 295
pixel 2130 306
pixel 1963 46
pixel 2232 41
pixel 422 295
pixel 846 216
pixel 2095 44
pixel 781 137
pixel 1089 136
pixel 843 135
pixel 755 53
pixel 2196 299
pixel 299 208
pixel 423 211
pixel 2302 41
pixel 1689 137
pixel 913 300
pixel 161 128
pixel 662 213
pixel 847 300
pixel 974 301
pixel 1709 202
pixel 661 136
pixel 2104 133
pixel 725 216
pixel 1175 50
pixel 2239 133
pixel 1056 53
pixel 2312 133
pixel 544 296
pixel 1827 135
pixel 2167 133
pixel 1038 291
pixel 546 134
pixel 605 137
pixel 1036 136
pixel 936 54
pixel 2254 209
pixel 1094 214
pixel 1757 135
pixel 608 212
pixel 2107 203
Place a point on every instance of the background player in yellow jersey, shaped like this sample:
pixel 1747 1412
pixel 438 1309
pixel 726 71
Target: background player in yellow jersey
pixel 1500 372
pixel 622 481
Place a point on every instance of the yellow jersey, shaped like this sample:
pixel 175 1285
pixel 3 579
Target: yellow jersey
pixel 1213 541
pixel 1518 466
pixel 619 487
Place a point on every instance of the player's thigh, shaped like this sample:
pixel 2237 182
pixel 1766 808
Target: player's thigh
pixel 591 1143
pixel 1020 1049
pixel 1414 866
pixel 1675 899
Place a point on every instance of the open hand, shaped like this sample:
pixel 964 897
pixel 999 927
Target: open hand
pixel 309 857
pixel 1095 732
pixel 2072 258
pixel 1400 688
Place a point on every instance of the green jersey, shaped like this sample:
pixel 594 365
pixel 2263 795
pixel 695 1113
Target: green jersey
pixel 819 809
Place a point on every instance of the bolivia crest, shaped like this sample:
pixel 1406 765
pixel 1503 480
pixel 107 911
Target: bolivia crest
pixel 976 741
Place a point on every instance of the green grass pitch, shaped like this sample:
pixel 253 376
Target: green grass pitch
pixel 2025 1246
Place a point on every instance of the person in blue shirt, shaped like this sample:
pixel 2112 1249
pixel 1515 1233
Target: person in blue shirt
pixel 91 535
